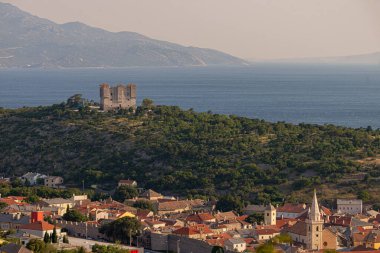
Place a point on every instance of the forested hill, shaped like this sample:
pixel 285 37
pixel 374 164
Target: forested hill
pixel 189 153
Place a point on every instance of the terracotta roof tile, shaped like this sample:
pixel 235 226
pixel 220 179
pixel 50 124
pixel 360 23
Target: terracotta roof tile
pixel 39 226
pixel 299 228
pixel 292 208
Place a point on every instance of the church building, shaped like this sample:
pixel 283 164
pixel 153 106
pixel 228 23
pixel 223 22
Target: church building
pixel 311 232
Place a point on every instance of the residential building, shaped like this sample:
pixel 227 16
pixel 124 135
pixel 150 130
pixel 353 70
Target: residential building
pixel 349 206
pixel 127 182
pixel 14 248
pixel 23 238
pixel 251 209
pixel 32 177
pixel 200 218
pixel 199 231
pixel 151 195
pixel 289 210
pixel 235 244
pixel 54 182
pixel 179 206
pixel 265 234
pixel 13 221
pixel 60 203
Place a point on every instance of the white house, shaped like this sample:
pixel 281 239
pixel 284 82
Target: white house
pixel 32 177
pixel 349 206
pixel 39 228
pixel 235 244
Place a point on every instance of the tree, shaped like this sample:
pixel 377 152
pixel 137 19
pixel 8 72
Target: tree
pixel 255 218
pixel 125 192
pixel 269 246
pixel 229 203
pixel 48 219
pixel 217 249
pixel 74 215
pixel 32 199
pixel 376 206
pixel 54 237
pixel 329 251
pixel 46 237
pixel 17 182
pixel 265 248
pixel 108 249
pixel 65 239
pixel 147 103
pixel 364 195
pixel 37 246
pixel 2 205
pixel 81 250
pixel 121 229
pixel 144 204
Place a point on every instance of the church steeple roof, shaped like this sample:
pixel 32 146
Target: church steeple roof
pixel 270 207
pixel 314 213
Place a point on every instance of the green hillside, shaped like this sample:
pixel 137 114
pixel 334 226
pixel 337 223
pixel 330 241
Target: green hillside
pixel 192 154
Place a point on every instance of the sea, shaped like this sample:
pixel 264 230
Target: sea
pixel 344 95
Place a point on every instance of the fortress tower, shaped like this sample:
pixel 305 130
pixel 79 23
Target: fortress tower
pixel 118 97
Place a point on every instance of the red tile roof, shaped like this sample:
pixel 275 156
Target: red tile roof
pixel 193 230
pixel 266 231
pixel 344 221
pixel 326 211
pixel 39 226
pixel 299 228
pixel 200 218
pixel 291 208
pixel 13 200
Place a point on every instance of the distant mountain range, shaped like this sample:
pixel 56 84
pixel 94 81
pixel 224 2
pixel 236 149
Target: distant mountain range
pixel 30 41
pixel 373 59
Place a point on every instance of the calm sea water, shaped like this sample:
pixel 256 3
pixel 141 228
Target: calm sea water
pixel 342 95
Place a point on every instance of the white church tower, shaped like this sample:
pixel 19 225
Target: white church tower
pixel 270 215
pixel 314 226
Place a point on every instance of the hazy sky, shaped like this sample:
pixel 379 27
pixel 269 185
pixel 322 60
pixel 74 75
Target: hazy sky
pixel 245 28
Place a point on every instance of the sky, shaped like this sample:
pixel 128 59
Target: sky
pixel 250 29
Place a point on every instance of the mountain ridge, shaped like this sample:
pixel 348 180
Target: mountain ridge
pixel 31 41
pixel 369 58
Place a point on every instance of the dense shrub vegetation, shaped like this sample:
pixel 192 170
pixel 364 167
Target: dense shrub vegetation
pixel 183 152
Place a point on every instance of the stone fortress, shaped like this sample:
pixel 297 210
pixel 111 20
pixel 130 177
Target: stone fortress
pixel 118 97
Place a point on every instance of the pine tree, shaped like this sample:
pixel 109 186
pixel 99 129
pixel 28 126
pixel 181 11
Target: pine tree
pixel 46 237
pixel 54 237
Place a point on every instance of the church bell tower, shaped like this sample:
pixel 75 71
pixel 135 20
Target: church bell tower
pixel 314 226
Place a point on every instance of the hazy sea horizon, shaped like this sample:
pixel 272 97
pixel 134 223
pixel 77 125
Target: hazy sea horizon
pixel 345 95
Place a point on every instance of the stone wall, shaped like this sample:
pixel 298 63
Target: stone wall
pixel 78 229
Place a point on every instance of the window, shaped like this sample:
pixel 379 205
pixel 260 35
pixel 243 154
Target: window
pixel 325 244
pixel 267 214
pixel 317 228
